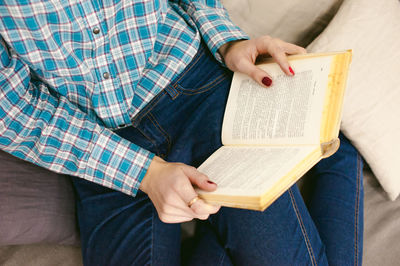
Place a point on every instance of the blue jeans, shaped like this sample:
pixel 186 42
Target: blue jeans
pixel 183 124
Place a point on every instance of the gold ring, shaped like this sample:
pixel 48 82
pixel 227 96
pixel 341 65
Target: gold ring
pixel 193 201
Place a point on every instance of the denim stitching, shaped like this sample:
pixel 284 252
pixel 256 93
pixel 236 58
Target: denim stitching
pixel 194 61
pixel 303 230
pixel 221 260
pixel 174 84
pixel 154 121
pixel 147 108
pixel 357 210
pixel 202 89
pixel 206 87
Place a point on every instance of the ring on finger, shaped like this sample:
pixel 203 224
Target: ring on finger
pixel 192 201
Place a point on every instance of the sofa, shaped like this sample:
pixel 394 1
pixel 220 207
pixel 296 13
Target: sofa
pixel 37 214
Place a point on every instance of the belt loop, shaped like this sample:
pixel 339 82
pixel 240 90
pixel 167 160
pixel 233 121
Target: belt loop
pixel 172 91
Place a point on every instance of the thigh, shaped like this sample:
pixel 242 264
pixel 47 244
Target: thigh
pixel 284 234
pixel 336 205
pixel 117 229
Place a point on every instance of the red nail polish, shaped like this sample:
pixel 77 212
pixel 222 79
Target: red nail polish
pixel 267 81
pixel 291 70
pixel 210 182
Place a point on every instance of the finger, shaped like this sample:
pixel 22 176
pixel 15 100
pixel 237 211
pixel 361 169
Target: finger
pixel 202 208
pixel 281 59
pixel 198 207
pixel 260 76
pixel 174 218
pixel 178 209
pixel 291 48
pixel 199 179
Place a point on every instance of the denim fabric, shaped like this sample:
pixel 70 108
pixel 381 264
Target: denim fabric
pixel 183 123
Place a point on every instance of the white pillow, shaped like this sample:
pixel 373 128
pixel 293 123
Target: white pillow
pixel 371 115
pixel 296 21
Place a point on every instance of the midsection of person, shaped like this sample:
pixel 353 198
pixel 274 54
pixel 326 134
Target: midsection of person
pixel 70 46
pixel 75 71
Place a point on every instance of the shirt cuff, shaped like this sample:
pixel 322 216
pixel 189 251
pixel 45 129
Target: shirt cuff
pixel 117 163
pixel 217 29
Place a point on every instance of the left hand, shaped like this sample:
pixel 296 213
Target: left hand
pixel 241 56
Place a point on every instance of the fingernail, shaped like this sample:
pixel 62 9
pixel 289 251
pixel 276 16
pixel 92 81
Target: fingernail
pixel 267 81
pixel 291 70
pixel 210 182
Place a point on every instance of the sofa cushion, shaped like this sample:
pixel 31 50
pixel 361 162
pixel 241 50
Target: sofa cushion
pixel 37 206
pixel 41 255
pixel 381 225
pixel 371 112
pixel 296 21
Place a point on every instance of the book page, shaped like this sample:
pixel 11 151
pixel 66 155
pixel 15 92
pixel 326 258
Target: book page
pixel 249 170
pixel 288 112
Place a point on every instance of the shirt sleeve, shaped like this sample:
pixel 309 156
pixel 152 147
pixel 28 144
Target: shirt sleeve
pixel 213 22
pixel 48 130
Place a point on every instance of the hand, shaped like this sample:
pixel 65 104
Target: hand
pixel 241 56
pixel 169 187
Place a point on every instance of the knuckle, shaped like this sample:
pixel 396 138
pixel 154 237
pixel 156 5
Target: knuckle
pixel 240 63
pixel 266 38
pixel 162 210
pixel 163 218
pixel 215 210
pixel 165 209
pixel 196 208
pixel 203 217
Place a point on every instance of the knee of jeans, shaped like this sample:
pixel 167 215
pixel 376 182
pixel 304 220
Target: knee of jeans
pixel 346 160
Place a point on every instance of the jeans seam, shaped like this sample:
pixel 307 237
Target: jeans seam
pixel 303 230
pixel 222 258
pixel 202 89
pixel 136 120
pixel 357 211
pixel 154 121
pixel 208 87
pixel 192 64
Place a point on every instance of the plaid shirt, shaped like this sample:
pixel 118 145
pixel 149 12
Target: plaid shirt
pixel 72 71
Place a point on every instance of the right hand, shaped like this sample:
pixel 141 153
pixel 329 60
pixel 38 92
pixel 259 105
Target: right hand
pixel 169 187
pixel 241 56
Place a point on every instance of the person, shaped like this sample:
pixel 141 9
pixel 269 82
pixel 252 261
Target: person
pixel 127 97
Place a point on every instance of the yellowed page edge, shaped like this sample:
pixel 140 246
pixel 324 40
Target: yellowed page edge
pixel 262 202
pixel 330 124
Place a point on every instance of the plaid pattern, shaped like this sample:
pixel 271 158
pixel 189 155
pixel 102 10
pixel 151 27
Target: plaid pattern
pixel 71 71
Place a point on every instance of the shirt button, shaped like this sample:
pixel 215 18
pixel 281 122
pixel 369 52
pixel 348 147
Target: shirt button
pixel 96 30
pixel 106 75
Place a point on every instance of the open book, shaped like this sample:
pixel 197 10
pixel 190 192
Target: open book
pixel 273 136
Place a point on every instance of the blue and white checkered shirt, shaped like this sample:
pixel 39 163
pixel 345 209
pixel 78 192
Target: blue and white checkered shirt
pixel 72 71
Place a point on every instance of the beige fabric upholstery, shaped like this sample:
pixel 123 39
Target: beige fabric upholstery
pixel 296 21
pixel 40 255
pixel 371 115
pixel 381 225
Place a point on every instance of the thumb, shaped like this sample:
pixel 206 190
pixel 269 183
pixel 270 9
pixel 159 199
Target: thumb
pixel 259 75
pixel 199 179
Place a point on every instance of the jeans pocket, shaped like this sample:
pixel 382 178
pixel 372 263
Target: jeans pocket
pixel 187 89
